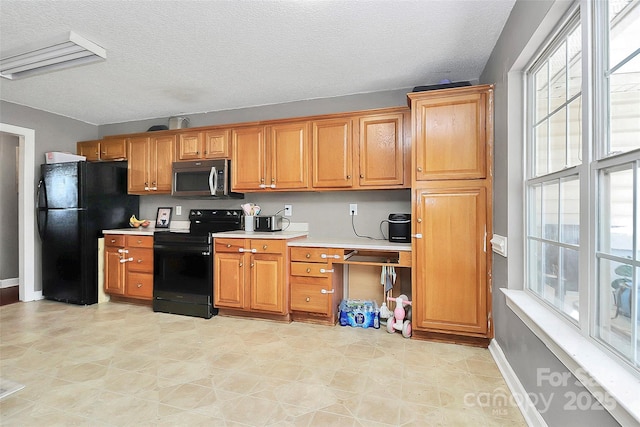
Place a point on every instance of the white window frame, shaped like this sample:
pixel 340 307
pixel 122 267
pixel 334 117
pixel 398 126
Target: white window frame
pixel 601 372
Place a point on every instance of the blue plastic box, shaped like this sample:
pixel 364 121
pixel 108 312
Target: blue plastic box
pixel 359 313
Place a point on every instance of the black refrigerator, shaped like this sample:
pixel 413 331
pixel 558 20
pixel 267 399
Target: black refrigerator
pixel 75 202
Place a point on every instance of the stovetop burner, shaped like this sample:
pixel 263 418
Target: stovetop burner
pixel 202 223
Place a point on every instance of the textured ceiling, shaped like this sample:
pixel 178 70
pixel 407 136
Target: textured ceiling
pixel 166 58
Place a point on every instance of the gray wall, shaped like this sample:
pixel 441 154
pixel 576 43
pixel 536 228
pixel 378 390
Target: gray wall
pixel 52 133
pixel 327 213
pixel 524 351
pixel 8 207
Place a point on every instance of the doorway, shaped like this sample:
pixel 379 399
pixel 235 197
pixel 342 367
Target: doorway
pixel 26 210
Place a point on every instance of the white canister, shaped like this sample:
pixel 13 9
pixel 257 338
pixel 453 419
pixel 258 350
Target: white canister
pixel 249 222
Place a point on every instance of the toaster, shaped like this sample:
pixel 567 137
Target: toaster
pixel 268 223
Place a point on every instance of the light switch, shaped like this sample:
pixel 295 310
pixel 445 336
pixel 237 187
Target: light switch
pixel 499 245
pixel 178 210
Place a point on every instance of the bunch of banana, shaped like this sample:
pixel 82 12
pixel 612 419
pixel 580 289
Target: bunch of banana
pixel 135 222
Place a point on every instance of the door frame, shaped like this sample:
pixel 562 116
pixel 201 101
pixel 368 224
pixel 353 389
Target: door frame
pixel 26 211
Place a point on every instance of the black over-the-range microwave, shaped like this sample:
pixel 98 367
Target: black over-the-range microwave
pixel 203 178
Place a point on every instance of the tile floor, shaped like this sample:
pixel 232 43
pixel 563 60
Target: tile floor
pixel 120 364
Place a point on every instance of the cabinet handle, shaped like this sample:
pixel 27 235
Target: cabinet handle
pixel 361 176
pixel 308 270
pixel 228 245
pixel 322 270
pixel 123 251
pixel 240 265
pixel 251 265
pixel 113 240
pixel 417 236
pixel 329 256
pixel 139 241
pixel 247 250
pixel 308 299
pixel 419 169
pixel 273 180
pixel 139 261
pixel 123 260
pixel 264 247
pixel 419 220
pixel 197 152
pixel 139 285
pixel 324 291
pixel 261 179
pixel 348 176
pixel 308 256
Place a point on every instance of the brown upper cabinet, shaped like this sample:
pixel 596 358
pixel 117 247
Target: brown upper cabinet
pixel 332 153
pixel 450 133
pixel 376 159
pixel 104 149
pixel 270 158
pixel 150 163
pixel 211 144
pixel 382 150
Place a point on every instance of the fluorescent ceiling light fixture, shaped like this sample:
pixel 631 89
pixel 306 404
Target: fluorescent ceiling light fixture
pixel 66 52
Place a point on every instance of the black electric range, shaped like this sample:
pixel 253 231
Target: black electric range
pixel 183 263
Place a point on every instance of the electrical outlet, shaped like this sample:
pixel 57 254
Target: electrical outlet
pixel 178 210
pixel 353 209
pixel 288 210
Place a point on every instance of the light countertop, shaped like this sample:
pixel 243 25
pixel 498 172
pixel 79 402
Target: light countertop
pixel 297 238
pixel 240 234
pixel 351 243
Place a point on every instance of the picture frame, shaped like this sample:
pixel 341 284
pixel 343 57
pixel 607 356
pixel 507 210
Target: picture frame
pixel 163 218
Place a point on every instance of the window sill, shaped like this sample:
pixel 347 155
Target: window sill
pixel 599 373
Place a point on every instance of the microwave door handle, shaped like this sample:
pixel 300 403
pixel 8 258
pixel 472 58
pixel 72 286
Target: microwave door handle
pixel 213 180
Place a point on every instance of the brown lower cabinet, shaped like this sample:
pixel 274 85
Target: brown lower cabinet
pixel 250 277
pixel 128 266
pixel 315 284
pixel 451 298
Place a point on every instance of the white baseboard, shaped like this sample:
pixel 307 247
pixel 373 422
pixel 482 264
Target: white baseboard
pixel 7 283
pixel 528 409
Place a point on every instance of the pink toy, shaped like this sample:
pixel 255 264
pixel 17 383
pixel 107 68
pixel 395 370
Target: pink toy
pixel 397 322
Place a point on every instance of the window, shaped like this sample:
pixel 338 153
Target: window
pixel 584 263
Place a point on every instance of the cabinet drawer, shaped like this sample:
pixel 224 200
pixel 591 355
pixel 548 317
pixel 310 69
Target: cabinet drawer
pixel 139 285
pixel 142 260
pixel 309 298
pixel 310 269
pixel 114 240
pixel 314 254
pixel 228 245
pixel 133 241
pixel 268 246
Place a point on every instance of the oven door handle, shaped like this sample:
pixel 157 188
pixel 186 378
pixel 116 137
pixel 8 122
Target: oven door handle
pixel 182 249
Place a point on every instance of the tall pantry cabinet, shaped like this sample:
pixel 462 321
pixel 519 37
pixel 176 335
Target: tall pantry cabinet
pixel 452 213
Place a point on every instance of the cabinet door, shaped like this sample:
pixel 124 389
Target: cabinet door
pixel 114 271
pixel 161 163
pixel 450 282
pixel 450 136
pixel 288 156
pixel 229 280
pixel 267 283
pixel 189 146
pixel 216 144
pixel 381 151
pixel 113 149
pixel 89 149
pixel 248 159
pixel 332 153
pixel 138 165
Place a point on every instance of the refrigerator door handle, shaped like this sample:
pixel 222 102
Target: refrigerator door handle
pixel 42 189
